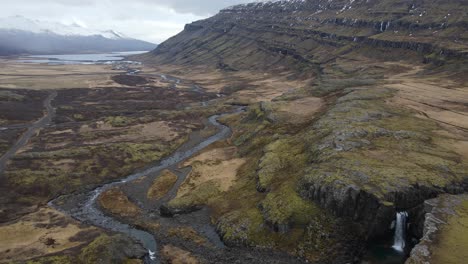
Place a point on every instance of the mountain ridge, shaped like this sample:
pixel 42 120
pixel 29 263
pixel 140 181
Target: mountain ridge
pixel 20 35
pixel 312 30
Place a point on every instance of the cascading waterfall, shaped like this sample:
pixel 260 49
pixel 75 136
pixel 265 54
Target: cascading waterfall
pixel 400 231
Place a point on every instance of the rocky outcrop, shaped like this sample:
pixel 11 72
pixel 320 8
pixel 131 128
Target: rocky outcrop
pixel 352 174
pixel 351 202
pixel 374 215
pixel 442 216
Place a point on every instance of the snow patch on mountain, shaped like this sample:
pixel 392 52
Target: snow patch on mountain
pixel 38 26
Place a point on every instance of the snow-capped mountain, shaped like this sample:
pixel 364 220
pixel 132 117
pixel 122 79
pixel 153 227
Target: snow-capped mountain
pixel 20 35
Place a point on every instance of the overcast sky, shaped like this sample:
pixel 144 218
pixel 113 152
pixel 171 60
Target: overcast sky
pixel 151 20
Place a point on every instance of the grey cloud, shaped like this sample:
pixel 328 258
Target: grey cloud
pixel 205 7
pixel 196 7
pixel 151 20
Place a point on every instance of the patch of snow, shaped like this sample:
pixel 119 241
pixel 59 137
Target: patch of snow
pixel 37 26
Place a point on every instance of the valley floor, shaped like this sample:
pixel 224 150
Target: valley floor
pixel 313 167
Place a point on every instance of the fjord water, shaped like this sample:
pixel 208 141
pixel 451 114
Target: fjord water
pixel 97 58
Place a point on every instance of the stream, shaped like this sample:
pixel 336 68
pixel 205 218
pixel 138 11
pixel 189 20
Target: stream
pixel 88 211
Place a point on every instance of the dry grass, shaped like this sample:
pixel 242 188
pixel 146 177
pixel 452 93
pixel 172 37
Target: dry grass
pixel 254 86
pixel 42 76
pixel 301 110
pixel 175 255
pixel 116 202
pixel 439 99
pixel 162 185
pixel 217 165
pixel 160 130
pixel 44 232
pixel 451 245
pixel 187 234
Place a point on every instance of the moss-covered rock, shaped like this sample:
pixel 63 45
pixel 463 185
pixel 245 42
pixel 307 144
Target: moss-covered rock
pixel 367 154
pixel 280 160
pixel 111 249
pixel 284 208
pixel 116 202
pixel 201 195
pixel 119 121
pixel 445 236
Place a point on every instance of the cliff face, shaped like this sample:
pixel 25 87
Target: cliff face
pixel 296 34
pixel 444 231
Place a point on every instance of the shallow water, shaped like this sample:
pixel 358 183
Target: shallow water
pixel 384 254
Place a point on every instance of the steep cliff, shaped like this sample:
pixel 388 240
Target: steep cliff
pixel 444 231
pixel 297 34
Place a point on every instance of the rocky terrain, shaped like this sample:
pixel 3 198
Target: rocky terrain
pixel 302 34
pixel 341 127
pixel 444 231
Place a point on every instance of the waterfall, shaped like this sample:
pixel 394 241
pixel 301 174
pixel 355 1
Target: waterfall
pixel 400 231
pixel 152 255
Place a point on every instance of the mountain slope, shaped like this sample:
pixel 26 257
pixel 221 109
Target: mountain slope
pixel 283 33
pixel 19 35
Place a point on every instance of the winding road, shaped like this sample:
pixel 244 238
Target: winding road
pixel 32 129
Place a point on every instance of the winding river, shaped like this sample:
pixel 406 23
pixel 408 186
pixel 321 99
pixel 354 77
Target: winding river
pixel 88 212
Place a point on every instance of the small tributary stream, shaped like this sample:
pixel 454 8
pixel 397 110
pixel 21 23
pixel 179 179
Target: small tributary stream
pixel 88 211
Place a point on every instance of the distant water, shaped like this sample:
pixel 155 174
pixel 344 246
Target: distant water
pixel 99 58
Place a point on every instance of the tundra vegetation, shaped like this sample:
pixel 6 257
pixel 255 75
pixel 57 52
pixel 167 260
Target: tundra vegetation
pixel 352 113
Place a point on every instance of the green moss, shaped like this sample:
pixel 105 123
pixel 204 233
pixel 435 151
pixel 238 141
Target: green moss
pixel 201 195
pixel 119 121
pixel 11 96
pixel 452 241
pixel 281 159
pixel 363 141
pixel 96 250
pixel 284 207
pixel 106 249
pixel 65 107
pixel 326 86
pixel 58 154
pixel 79 117
pixel 245 227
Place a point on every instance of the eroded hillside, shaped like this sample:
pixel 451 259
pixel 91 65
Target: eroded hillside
pixel 298 34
